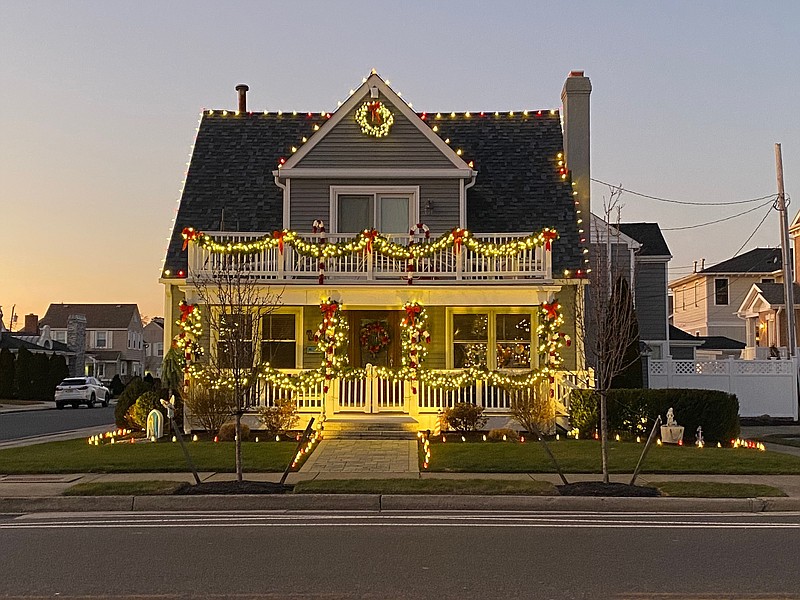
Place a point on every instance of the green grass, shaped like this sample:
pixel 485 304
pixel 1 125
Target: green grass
pixel 427 486
pixel 21 402
pixel 583 456
pixel 125 488
pixel 707 489
pixel 77 456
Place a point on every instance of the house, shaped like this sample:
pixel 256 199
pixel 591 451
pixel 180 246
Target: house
pixel 375 214
pixel 32 337
pixel 763 311
pixel 685 346
pixel 706 302
pixel 153 335
pixel 114 343
pixel 639 253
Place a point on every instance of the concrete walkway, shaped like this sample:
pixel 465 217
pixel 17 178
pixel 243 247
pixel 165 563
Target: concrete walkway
pixel 397 458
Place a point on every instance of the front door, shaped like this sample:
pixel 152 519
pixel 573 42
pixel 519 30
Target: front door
pixel 374 340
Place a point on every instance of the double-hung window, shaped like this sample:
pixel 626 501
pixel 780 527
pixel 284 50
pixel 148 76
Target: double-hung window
pixel 235 345
pixel 495 338
pixel 101 339
pixel 279 340
pixel 721 292
pixel 387 209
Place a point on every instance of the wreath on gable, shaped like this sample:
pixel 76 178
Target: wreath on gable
pixel 374 337
pixel 374 118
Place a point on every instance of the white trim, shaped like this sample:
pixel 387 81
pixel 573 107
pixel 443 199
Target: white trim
pixel 362 93
pixel 375 191
pixel 352 173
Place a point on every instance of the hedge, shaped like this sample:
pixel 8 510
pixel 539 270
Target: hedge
pixel 634 411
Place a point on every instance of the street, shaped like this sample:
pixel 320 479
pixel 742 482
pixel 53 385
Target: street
pixel 401 556
pixel 15 425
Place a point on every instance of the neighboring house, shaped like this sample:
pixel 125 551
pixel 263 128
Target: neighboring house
pixel 764 312
pixel 685 346
pixel 375 164
pixel 706 302
pixel 154 346
pixel 113 332
pixel 32 338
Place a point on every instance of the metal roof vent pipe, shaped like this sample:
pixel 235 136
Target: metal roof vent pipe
pixel 242 89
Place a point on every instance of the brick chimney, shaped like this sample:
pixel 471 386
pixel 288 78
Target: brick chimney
pixel 575 111
pixel 76 340
pixel 31 324
pixel 242 89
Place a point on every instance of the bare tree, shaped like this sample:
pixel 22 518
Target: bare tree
pixel 612 325
pixel 237 305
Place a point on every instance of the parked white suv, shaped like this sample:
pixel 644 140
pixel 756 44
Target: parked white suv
pixel 81 390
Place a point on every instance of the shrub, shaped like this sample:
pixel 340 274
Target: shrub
pixel 227 433
pixel 40 381
pixel 533 408
pixel 210 408
pixel 57 371
pixel 23 375
pixel 496 435
pixel 583 407
pixel 279 418
pixel 137 414
pixel 135 388
pixel 116 386
pixel 6 374
pixel 464 417
pixel 717 412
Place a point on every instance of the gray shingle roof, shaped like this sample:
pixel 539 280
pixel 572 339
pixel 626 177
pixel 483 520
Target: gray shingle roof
pixel 518 187
pixel 773 292
pixel 679 335
pixel 649 236
pixel 720 342
pixel 112 316
pixel 758 260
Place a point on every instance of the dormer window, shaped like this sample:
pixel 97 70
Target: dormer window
pixel 387 209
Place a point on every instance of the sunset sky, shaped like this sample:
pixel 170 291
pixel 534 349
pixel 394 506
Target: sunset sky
pixel 100 101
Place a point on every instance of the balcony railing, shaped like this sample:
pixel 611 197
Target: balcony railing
pixel 445 265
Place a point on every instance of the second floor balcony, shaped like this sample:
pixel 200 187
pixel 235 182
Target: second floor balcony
pixel 480 257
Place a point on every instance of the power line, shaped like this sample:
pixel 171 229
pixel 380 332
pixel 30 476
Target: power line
pixel 671 201
pixel 749 210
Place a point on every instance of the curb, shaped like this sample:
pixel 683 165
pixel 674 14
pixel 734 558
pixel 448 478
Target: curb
pixel 393 503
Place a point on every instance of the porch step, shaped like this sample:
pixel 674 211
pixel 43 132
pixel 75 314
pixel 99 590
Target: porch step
pixel 369 427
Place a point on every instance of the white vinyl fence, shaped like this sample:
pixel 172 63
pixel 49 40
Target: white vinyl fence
pixel 764 387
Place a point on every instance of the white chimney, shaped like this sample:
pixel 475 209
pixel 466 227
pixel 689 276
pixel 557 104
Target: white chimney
pixel 575 112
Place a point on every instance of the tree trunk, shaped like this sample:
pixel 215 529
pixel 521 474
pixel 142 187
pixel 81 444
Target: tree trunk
pixel 604 433
pixel 238 443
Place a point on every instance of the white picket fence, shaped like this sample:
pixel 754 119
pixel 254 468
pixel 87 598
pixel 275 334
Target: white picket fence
pixel 763 387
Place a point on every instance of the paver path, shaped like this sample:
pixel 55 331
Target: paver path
pixel 363 456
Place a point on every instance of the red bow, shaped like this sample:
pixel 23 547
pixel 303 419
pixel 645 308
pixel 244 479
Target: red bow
pixel 412 311
pixel 328 310
pixel 370 237
pixel 549 235
pixel 374 112
pixel 186 310
pixel 552 310
pixel 458 238
pixel 279 235
pixel 188 234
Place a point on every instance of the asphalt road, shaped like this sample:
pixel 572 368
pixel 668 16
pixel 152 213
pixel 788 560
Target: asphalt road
pixel 384 556
pixel 14 425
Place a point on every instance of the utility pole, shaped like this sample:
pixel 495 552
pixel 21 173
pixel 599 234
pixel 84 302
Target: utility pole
pixel 788 278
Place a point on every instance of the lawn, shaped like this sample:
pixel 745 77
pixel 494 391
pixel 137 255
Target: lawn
pixel 709 489
pixel 583 456
pixel 427 486
pixel 77 456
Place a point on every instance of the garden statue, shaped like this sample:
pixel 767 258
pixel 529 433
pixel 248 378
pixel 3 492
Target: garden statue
pixel 671 433
pixel 155 424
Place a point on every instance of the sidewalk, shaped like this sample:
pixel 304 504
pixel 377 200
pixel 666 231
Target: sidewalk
pixel 11 408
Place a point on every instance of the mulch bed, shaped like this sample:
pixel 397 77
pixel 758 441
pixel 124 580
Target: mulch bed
pixel 234 487
pixel 615 490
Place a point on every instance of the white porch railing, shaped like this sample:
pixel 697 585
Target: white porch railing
pixel 374 394
pixel 445 265
pixel 761 353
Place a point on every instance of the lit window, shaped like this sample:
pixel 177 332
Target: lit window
pixel 470 340
pixel 235 345
pixel 278 341
pixel 513 334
